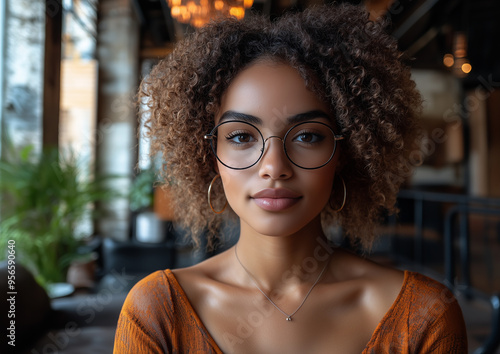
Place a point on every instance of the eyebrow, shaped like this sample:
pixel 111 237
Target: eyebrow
pixel 297 118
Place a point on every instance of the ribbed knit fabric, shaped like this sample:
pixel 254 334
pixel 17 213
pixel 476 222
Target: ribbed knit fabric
pixel 425 318
pixel 158 318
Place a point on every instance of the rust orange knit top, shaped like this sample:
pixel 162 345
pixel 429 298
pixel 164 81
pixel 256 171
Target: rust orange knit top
pixel 158 318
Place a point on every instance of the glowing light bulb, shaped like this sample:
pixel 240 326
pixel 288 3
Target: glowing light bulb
pixel 199 12
pixel 237 12
pixel 448 60
pixel 219 5
pixel 175 11
pixel 466 68
pixel 199 22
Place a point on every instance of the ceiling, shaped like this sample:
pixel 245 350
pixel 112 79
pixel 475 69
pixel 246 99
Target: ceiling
pixel 425 29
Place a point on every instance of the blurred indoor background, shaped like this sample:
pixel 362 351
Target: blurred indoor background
pixel 83 208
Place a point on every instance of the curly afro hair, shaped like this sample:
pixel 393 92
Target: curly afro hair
pixel 346 59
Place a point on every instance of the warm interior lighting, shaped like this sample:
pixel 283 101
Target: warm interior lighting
pixel 458 62
pixel 466 68
pixel 237 12
pixel 460 45
pixel 219 5
pixel 198 12
pixel 448 60
pixel 175 11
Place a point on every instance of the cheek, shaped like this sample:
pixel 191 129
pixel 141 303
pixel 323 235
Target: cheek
pixel 321 184
pixel 233 183
pixel 326 188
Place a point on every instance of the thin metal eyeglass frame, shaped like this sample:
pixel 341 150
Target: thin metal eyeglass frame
pixel 212 135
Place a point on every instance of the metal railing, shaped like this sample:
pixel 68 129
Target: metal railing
pixel 462 207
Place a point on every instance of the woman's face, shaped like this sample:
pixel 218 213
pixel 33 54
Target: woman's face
pixel 274 197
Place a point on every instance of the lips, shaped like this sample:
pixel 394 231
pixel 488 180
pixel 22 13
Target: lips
pixel 276 199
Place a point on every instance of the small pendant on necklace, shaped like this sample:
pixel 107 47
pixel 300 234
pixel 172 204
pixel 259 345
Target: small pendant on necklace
pixel 289 318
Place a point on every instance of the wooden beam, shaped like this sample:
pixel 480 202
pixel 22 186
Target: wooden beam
pixel 52 73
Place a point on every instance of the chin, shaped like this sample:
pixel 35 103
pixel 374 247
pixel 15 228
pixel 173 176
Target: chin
pixel 277 228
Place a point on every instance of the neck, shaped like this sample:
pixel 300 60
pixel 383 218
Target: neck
pixel 281 262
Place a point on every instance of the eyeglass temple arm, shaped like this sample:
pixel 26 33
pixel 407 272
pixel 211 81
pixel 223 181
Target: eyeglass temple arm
pixel 336 137
pixel 208 136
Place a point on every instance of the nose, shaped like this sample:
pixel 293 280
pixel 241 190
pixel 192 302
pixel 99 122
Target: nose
pixel 274 164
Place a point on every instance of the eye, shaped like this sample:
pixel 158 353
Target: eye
pixel 240 137
pixel 308 137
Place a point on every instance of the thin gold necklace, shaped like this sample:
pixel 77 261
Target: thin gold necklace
pixel 288 316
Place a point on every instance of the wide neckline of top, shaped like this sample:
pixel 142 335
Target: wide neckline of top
pixel 184 298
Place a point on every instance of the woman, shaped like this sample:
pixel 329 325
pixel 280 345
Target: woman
pixel 293 126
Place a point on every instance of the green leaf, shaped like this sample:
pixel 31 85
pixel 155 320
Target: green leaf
pixel 43 198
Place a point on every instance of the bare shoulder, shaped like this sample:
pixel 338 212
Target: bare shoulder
pixel 212 267
pixel 197 279
pixel 347 265
pixel 380 285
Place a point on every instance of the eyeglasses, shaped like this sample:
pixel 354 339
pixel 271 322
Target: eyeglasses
pixel 240 145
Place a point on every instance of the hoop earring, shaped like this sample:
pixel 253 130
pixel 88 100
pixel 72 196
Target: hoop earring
pixel 343 201
pixel 210 200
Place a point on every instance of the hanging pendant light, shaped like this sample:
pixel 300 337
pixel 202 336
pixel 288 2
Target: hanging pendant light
pixel 198 12
pixel 458 61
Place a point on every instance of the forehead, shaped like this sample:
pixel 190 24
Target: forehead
pixel 270 91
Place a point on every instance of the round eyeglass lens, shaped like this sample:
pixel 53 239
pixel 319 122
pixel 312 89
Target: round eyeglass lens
pixel 237 145
pixel 240 145
pixel 310 144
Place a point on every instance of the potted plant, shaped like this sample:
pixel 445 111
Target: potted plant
pixel 141 191
pixel 45 198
